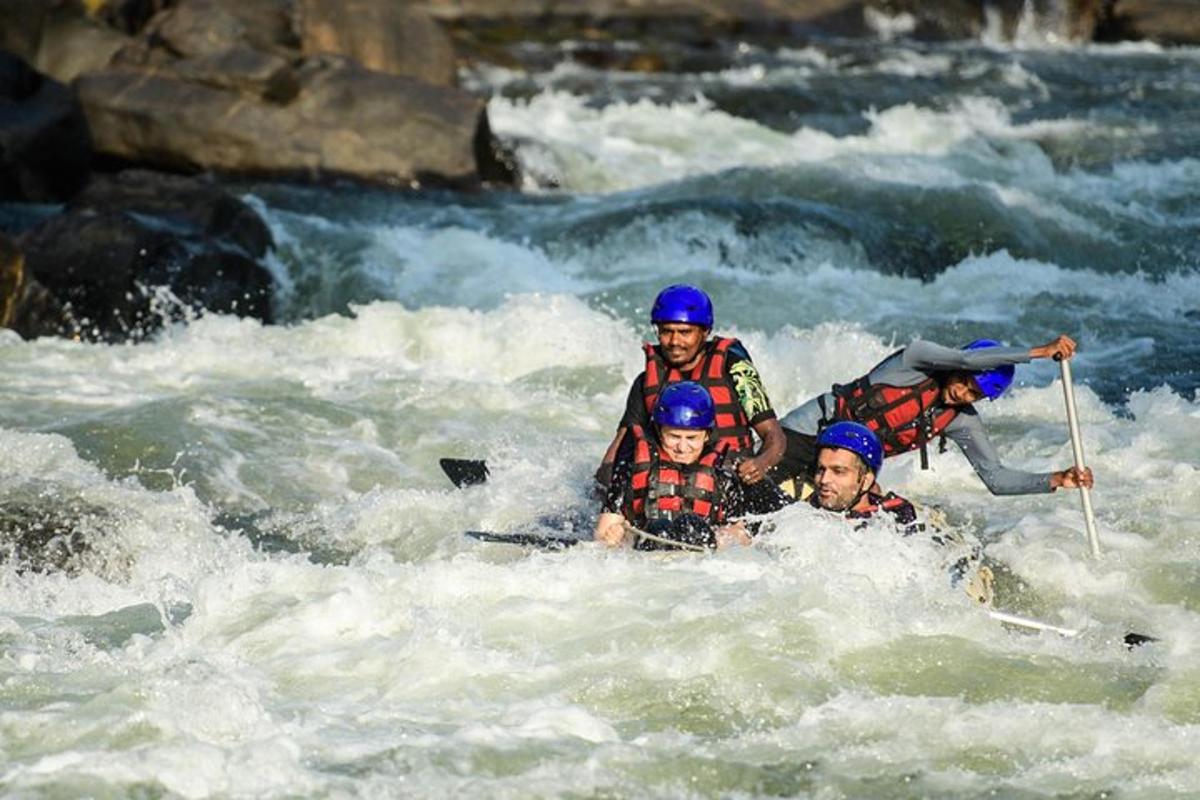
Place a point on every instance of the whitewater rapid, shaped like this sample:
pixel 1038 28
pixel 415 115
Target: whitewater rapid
pixel 272 596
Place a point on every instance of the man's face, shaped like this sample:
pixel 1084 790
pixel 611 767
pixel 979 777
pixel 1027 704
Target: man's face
pixel 681 445
pixel 681 342
pixel 840 478
pixel 960 389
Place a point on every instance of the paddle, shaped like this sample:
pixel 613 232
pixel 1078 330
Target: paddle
pixel 469 472
pixel 525 539
pixel 464 472
pixel 1077 448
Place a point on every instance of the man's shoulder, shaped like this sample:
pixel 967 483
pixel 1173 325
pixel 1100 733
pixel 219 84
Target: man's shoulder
pixel 734 351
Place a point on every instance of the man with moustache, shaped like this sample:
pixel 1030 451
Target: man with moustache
pixel 683 318
pixel 845 481
pixel 849 458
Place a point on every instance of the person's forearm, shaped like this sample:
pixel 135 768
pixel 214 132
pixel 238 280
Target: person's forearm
pixel 774 442
pixel 604 472
pixel 931 357
pixel 1004 481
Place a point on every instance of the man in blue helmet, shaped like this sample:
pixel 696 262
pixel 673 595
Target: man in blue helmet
pixel 683 318
pixel 849 460
pixel 924 391
pixel 670 481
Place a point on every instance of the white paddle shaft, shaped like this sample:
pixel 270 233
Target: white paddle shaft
pixel 1032 624
pixel 1077 447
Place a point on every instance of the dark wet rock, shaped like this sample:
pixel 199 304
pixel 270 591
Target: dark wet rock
pixel 21 23
pixel 25 305
pixel 128 16
pixel 386 37
pixel 51 534
pixel 135 251
pixel 44 146
pixel 188 204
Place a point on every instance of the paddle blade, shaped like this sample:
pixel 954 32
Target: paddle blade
pixel 524 539
pixel 1133 640
pixel 464 472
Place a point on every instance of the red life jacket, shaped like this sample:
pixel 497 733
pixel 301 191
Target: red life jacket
pixel 903 417
pixel 733 427
pixel 890 502
pixel 904 515
pixel 662 489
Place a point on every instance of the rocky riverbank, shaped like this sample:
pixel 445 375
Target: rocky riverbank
pixel 124 110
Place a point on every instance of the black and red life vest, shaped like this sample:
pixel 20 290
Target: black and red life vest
pixel 733 427
pixel 891 502
pixel 903 417
pixel 662 489
pixel 904 514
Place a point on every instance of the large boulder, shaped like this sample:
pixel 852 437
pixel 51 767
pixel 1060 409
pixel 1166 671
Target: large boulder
pixel 382 36
pixel 139 249
pixel 44 146
pixel 342 120
pixel 306 89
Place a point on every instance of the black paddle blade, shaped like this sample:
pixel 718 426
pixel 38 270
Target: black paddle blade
pixel 1133 640
pixel 524 539
pixel 464 472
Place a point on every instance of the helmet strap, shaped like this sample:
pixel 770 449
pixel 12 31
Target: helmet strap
pixel 862 490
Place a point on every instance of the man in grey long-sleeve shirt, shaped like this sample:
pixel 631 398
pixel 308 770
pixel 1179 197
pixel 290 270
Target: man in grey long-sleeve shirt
pixel 927 390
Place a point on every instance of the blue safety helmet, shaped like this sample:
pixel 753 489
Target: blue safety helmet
pixel 683 303
pixel 858 439
pixel 995 381
pixel 686 404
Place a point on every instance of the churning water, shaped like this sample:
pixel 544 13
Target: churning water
pixel 251 579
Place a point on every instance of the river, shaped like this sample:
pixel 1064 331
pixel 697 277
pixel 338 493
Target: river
pixel 268 593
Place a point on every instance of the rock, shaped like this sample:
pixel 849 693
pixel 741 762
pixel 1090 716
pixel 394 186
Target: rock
pixel 1163 21
pixel 386 37
pixel 134 251
pixel 41 536
pixel 185 203
pixel 21 23
pixel 72 45
pixel 204 27
pixel 25 305
pixel 49 528
pixel 242 69
pixel 344 121
pixel 126 16
pixel 479 25
pixel 944 19
pixel 58 39
pixel 45 150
